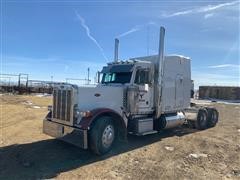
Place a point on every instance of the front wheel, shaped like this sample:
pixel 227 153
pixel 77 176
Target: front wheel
pixel 102 135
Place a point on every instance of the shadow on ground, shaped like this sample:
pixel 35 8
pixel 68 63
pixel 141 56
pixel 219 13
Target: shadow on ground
pixel 47 158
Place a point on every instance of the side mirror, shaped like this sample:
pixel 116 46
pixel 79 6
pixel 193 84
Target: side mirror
pixel 98 77
pixel 146 87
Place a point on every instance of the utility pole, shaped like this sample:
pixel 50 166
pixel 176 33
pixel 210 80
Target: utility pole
pixel 88 80
pixel 19 80
pixel 51 81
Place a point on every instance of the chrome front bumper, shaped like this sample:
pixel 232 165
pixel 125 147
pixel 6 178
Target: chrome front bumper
pixel 66 133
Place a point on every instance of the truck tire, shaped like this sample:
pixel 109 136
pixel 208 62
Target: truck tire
pixel 212 117
pixel 202 121
pixel 102 135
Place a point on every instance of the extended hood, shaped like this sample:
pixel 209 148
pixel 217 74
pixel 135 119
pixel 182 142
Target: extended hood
pixel 100 97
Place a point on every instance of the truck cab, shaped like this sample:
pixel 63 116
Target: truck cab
pixel 132 74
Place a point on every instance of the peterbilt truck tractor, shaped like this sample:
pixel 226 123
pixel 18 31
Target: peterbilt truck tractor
pixel 139 96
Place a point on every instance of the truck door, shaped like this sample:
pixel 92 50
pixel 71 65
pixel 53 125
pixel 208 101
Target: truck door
pixel 145 94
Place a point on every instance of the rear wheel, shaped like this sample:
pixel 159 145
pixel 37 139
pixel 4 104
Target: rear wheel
pixel 202 121
pixel 102 135
pixel 212 117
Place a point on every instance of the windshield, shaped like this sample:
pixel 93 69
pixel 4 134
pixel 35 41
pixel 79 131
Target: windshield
pixel 119 77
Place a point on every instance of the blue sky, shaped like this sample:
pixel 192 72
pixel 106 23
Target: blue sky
pixel 63 38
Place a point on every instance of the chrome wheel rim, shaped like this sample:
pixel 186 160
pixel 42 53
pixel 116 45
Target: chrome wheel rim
pixel 108 136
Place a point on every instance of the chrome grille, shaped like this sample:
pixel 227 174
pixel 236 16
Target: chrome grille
pixel 62 104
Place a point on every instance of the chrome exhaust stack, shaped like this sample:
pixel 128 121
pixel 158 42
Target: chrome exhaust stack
pixel 161 52
pixel 159 73
pixel 116 50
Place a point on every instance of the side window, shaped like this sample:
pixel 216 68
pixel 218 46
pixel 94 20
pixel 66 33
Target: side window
pixel 142 76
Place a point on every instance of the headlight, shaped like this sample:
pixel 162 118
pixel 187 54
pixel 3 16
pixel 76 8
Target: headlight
pixel 77 113
pixel 85 113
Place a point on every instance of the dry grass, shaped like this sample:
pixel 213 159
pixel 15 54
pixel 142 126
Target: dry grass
pixel 26 153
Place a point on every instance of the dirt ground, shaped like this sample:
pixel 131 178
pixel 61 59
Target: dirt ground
pixel 182 153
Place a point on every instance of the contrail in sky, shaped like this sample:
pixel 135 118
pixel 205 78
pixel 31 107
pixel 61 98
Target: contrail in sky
pixel 225 66
pixel 82 20
pixel 134 29
pixel 203 9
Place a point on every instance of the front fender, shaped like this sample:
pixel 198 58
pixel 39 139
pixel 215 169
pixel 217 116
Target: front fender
pixel 87 122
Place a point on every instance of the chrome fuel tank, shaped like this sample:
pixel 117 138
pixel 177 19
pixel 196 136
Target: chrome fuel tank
pixel 172 120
